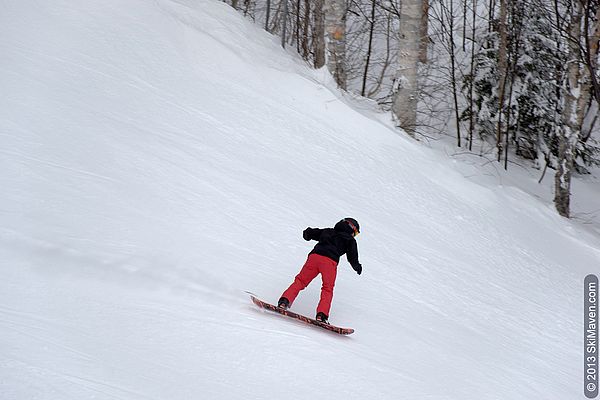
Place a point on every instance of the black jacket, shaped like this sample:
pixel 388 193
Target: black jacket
pixel 334 243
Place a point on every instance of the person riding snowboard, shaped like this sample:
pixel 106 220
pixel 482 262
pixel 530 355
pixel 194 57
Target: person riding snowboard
pixel 323 259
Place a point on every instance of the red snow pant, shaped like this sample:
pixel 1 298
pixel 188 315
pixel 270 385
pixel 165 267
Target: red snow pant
pixel 315 264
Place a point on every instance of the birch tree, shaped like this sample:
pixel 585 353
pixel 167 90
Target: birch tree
pixel 569 131
pixel 319 35
pixel 335 28
pixel 580 86
pixel 410 48
pixel 503 74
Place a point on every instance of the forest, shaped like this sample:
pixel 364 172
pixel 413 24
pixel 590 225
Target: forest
pixel 514 81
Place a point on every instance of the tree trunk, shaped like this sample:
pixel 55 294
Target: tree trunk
pixel 472 73
pixel 369 48
pixel 592 43
pixel 464 27
pixel 268 15
pixel 453 78
pixel 502 73
pixel 298 26
pixel 319 34
pixel 424 32
pixel 569 135
pixel 305 29
pixel 406 94
pixel 491 9
pixel 284 26
pixel 335 44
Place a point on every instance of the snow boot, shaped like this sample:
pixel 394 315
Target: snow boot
pixel 283 303
pixel 321 317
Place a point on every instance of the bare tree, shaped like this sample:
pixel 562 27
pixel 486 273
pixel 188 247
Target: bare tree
pixel 319 35
pixel 450 17
pixel 591 32
pixel 502 73
pixel 406 94
pixel 335 28
pixel 305 27
pixel 285 20
pixel 569 132
pixel 369 47
pixel 424 32
pixel 471 74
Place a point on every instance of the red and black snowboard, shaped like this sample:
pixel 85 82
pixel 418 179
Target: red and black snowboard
pixel 288 313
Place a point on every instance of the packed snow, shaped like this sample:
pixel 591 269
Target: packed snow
pixel 159 158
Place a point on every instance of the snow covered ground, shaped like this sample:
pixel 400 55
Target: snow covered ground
pixel 158 158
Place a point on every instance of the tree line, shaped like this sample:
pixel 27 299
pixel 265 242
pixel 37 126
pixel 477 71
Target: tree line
pixel 516 79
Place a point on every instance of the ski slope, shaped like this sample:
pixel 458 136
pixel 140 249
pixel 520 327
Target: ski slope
pixel 158 158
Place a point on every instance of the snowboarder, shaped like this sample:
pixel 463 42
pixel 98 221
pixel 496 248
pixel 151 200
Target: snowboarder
pixel 323 259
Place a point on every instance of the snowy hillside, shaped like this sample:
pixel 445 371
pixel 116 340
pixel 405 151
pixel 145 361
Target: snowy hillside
pixel 158 158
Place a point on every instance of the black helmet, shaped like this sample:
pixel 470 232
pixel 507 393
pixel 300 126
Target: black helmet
pixel 353 224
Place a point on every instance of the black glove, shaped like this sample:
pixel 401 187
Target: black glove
pixel 305 234
pixel 357 268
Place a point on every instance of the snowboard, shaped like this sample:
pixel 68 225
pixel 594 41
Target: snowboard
pixel 291 314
